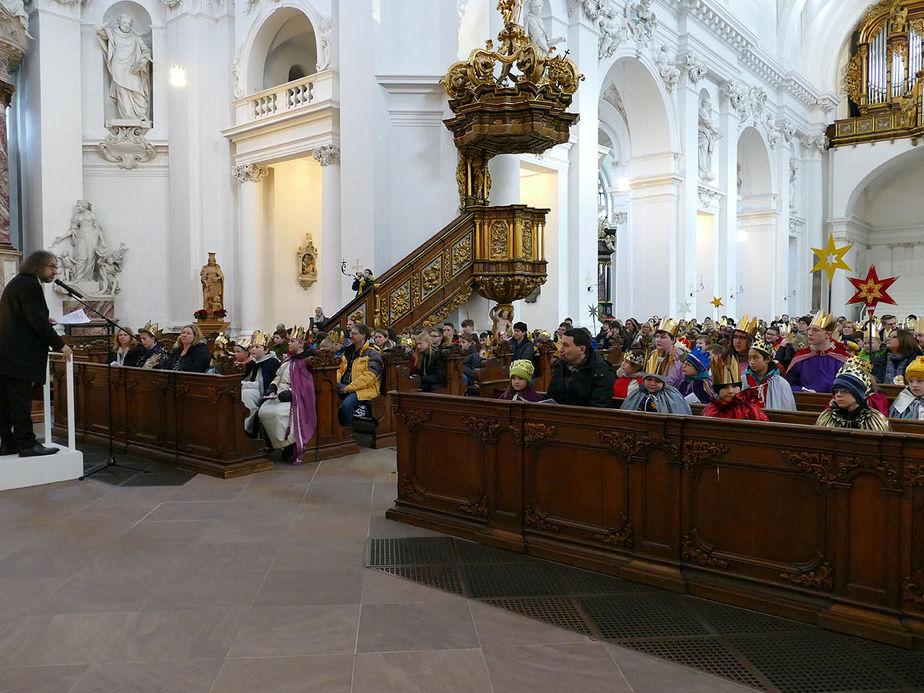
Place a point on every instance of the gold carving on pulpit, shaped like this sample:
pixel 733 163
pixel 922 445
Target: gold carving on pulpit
pixel 498 241
pixel 461 254
pixel 400 301
pixel 527 240
pixel 307 258
pixel 432 276
pixel 213 286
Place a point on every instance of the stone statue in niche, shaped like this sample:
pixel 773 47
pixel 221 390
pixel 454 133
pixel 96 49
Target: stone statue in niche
pixel 706 138
pixel 89 264
pixel 128 60
pixel 793 174
pixel 17 9
pixel 213 285
pixel 307 256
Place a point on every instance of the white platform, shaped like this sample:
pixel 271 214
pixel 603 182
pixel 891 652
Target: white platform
pixel 19 472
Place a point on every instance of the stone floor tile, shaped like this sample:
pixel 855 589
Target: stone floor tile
pixel 46 561
pixel 58 639
pixel 197 633
pixel 188 510
pixel 185 532
pixel 297 630
pixel 131 557
pixel 307 587
pixel 383 528
pixel 100 593
pixel 327 526
pixel 452 671
pixel 319 555
pixel 439 625
pixel 40 679
pixel 229 557
pixel 585 667
pixel 382 588
pixel 190 590
pixel 190 676
pixel 316 674
pixel 19 595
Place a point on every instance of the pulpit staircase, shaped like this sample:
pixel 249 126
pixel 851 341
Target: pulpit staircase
pixel 496 251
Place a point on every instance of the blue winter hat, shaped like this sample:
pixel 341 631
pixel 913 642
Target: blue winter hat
pixel 699 358
pixel 855 378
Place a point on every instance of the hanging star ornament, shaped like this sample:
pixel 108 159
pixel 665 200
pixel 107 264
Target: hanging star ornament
pixel 716 301
pixel 871 290
pixel 831 258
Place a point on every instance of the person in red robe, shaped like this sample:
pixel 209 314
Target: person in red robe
pixel 730 402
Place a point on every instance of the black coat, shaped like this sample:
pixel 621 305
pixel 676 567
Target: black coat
pixel 471 362
pixel 523 350
pixel 432 372
pixel 590 385
pixel 25 333
pixel 196 360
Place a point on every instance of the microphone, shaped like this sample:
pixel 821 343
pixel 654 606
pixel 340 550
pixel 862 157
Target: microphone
pixel 72 291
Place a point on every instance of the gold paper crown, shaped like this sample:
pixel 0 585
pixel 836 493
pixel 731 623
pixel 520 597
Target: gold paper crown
pixel 668 325
pixel 243 342
pixel 764 347
pixel 151 327
pixel 747 326
pixel 636 358
pixel 298 333
pixel 911 325
pixel 724 372
pixel 825 322
pixel 261 338
pixel 861 369
pixel 221 340
pixel 785 329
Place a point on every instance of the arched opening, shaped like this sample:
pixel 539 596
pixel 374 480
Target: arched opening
pixel 887 214
pixel 752 291
pixel 633 110
pixel 284 50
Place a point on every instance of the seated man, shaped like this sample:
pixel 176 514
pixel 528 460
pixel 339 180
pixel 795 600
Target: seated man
pixel 360 375
pixel 581 377
pixel 813 369
pixel 288 413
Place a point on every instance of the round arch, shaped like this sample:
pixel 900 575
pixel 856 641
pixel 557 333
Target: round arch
pixel 266 25
pixel 756 172
pixel 908 161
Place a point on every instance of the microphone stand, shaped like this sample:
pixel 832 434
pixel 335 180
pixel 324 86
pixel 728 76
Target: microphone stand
pixel 111 461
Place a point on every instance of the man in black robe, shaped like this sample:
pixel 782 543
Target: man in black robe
pixel 26 335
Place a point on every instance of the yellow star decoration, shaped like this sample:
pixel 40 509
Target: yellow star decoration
pixel 716 301
pixel 831 258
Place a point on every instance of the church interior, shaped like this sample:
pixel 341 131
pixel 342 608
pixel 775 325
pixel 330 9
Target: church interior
pixel 478 286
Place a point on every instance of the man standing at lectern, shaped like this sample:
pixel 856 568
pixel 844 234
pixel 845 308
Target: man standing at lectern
pixel 26 335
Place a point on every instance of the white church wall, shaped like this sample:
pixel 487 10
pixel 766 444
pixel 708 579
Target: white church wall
pixel 539 188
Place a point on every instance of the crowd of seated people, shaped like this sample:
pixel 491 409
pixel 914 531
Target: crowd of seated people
pixel 734 369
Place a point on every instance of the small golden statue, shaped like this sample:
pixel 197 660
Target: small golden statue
pixel 213 286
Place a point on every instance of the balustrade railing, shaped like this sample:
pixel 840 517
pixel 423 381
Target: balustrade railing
pixel 287 98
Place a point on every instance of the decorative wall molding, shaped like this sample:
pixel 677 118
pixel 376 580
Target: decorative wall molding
pixel 667 67
pixel 126 146
pixel 695 68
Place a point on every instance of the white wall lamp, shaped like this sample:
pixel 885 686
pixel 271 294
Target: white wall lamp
pixel 178 76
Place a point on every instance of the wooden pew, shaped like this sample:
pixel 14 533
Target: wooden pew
pixel 493 378
pixel 545 357
pixel 191 420
pixel 813 524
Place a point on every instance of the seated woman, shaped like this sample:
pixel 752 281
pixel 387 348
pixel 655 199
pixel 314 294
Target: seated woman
pixel 909 404
pixel 697 380
pixel 191 353
pixel 121 346
pixel 629 375
pixel 850 408
pixel 901 349
pixel 288 413
pixel 428 363
pixel 656 395
pixel 521 382
pixel 763 376
pixel 729 401
pixel 382 340
pixel 257 379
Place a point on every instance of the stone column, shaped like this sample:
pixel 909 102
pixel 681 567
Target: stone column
pixel 726 269
pixel 14 40
pixel 505 179
pixel 250 217
pixel 335 291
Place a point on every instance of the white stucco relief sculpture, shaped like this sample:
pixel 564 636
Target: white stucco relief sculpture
pixel 707 135
pixel 668 70
pixel 793 175
pixel 16 9
pixel 641 22
pixel 128 60
pixel 696 69
pixel 609 24
pixel 327 155
pixel 324 36
pixel 88 263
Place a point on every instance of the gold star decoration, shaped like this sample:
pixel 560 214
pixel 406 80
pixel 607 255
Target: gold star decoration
pixel 831 258
pixel 716 301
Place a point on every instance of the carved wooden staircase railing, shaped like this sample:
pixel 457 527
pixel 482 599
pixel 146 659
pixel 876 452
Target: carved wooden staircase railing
pixel 497 251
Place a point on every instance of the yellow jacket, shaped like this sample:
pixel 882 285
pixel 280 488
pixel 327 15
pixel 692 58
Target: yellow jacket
pixel 366 374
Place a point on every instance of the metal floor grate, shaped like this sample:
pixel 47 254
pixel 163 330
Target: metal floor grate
pixel 750 648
